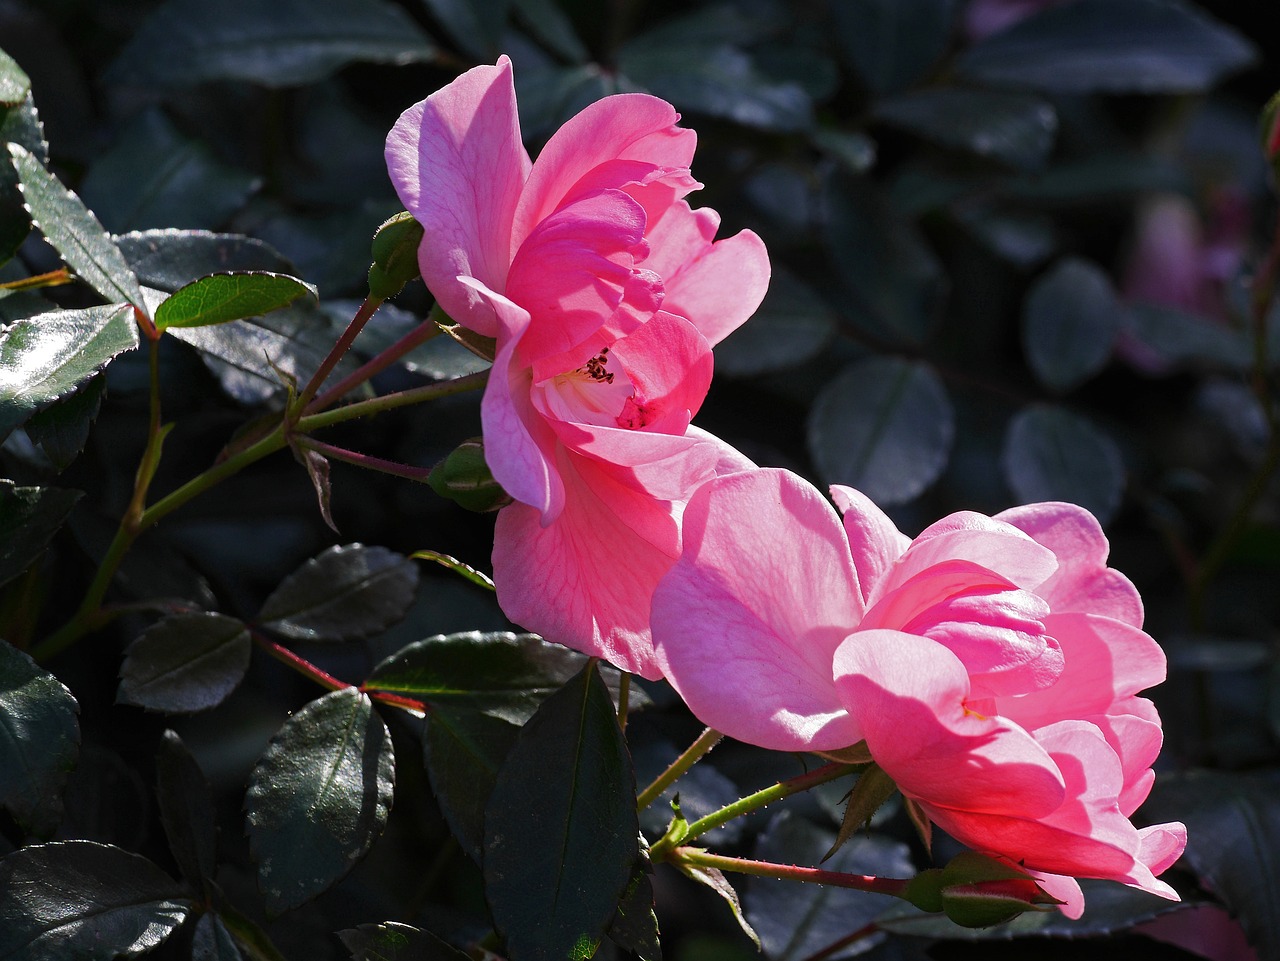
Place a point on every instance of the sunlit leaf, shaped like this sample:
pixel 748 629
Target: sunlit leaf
pixel 14 82
pixel 39 741
pixel 560 827
pixel 884 426
pixel 218 298
pixel 79 899
pixel 319 797
pixel 343 594
pixel 185 663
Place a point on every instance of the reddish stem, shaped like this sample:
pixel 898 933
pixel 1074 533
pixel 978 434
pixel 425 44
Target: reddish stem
pixel 368 461
pixel 374 366
pixel 790 872
pixel 327 680
pixel 367 310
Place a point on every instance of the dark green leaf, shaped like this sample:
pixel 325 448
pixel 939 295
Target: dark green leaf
pixel 392 941
pixel 219 298
pixel 156 176
pixel 282 44
pixel 854 149
pixel 1100 46
pixel 213 942
pixel 15 85
pixel 185 663
pixel 500 674
pixel 1013 128
pixel 248 935
pixel 18 124
pixel 170 259
pixel 1233 836
pixel 46 357
pixel 792 326
pixel 714 879
pixel 84 901
pixel 635 926
pixel 1106 175
pixel 551 25
pixel 186 811
pixel 796 920
pixel 62 428
pixel 29 517
pixel 892 43
pixel 343 594
pixel 1051 454
pixel 319 797
pixel 74 231
pixel 39 741
pixel 560 828
pixel 463 751
pixel 870 791
pixel 474 25
pixel 884 426
pixel 894 283
pixel 1024 240
pixel 1069 322
pixel 1179 339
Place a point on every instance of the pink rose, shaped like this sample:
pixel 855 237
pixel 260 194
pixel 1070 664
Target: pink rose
pixel 605 293
pixel 991 665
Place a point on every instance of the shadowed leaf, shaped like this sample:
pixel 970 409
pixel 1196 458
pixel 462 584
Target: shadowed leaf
pixel 185 663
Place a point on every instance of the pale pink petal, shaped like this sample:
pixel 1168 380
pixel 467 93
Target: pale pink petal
pixel 587 579
pixel 666 466
pixel 1161 845
pixel 1065 889
pixel 518 443
pixel 746 622
pixel 909 696
pixel 1136 741
pixel 458 165
pixel 716 286
pixel 874 539
pixel 577 272
pixel 1106 661
pixel 623 127
pixel 1083 582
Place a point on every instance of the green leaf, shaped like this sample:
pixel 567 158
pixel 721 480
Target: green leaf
pixel 500 674
pixel 155 176
pixel 15 85
pixel 48 356
pixel 285 43
pixel 251 938
pixel 186 811
pixel 884 426
pixel 797 920
pixel 344 594
pixel 892 43
pixel 169 259
pixel 319 797
pixel 551 25
pixel 792 326
pixel 560 828
pixel 1069 323
pixel 62 428
pixel 476 26
pixel 39 741
pixel 18 124
pixel 219 298
pixel 634 927
pixel 87 901
pixel 714 879
pixel 872 789
pixel 463 752
pixel 29 517
pixel 1051 454
pixel 895 286
pixel 74 231
pixel 479 578
pixel 1012 128
pixel 1100 46
pixel 392 941
pixel 1233 836
pixel 185 663
pixel 213 942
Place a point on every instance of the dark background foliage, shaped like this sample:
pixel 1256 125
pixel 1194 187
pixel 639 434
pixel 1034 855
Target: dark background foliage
pixel 1008 266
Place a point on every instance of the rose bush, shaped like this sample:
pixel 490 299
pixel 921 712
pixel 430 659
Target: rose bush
pixel 604 292
pixel 991 665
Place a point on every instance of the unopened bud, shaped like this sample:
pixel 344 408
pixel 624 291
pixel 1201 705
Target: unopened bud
pixel 395 255
pixel 977 891
pixel 464 477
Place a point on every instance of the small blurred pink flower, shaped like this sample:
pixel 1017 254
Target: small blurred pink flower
pixel 605 292
pixel 991 665
pixel 985 17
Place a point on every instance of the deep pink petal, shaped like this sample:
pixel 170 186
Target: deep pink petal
pixel 669 364
pixel 577 272
pixel 874 539
pixel 1136 739
pixel 586 580
pixel 909 696
pixel 746 622
pixel 458 165
pixel 1083 582
pixel 717 286
pixel 652 186
pixel 519 446
pixel 623 127
pixel 665 466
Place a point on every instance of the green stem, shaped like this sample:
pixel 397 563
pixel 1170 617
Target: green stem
pixel 404 398
pixel 767 869
pixel 367 310
pixel 679 767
